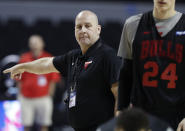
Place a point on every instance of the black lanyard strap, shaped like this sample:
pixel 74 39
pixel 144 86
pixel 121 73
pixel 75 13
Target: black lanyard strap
pixel 76 69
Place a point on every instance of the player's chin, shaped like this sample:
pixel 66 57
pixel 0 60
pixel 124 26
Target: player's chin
pixel 163 8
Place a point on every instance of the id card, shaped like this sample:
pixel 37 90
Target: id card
pixel 72 100
pixel 41 80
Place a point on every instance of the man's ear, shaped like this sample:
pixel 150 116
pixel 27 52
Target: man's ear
pixel 99 29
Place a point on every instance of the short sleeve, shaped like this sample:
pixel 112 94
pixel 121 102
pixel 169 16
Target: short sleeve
pixel 112 66
pixel 61 64
pixel 124 46
pixel 128 35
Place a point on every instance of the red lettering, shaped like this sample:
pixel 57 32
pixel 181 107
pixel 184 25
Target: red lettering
pixel 179 53
pixel 145 49
pixel 157 48
pixel 161 52
pixel 169 54
pixel 153 49
pixel 170 75
pixel 148 75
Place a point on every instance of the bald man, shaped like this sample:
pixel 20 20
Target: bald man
pixel 92 75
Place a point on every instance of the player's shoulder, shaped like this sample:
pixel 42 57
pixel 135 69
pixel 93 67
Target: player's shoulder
pixel 181 15
pixel 133 19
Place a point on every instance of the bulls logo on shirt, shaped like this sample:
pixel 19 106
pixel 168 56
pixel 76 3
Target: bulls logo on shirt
pixel 87 63
pixel 153 48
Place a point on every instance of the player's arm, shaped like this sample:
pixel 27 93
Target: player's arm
pixel 40 66
pixel 125 51
pixel 125 79
pixel 125 85
pixel 114 90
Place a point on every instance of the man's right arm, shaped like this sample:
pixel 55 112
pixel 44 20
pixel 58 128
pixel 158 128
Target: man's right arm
pixel 125 51
pixel 125 85
pixel 40 66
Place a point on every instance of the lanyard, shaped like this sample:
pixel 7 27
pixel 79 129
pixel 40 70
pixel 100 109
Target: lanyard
pixel 78 66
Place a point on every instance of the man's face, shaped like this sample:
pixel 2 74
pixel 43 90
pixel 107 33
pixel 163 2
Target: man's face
pixel 164 5
pixel 36 44
pixel 87 29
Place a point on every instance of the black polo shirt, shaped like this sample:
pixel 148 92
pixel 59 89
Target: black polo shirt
pixel 96 71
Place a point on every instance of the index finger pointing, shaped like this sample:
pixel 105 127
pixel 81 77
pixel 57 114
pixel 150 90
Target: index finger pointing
pixel 6 71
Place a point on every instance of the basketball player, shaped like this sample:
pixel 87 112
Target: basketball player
pixel 152 45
